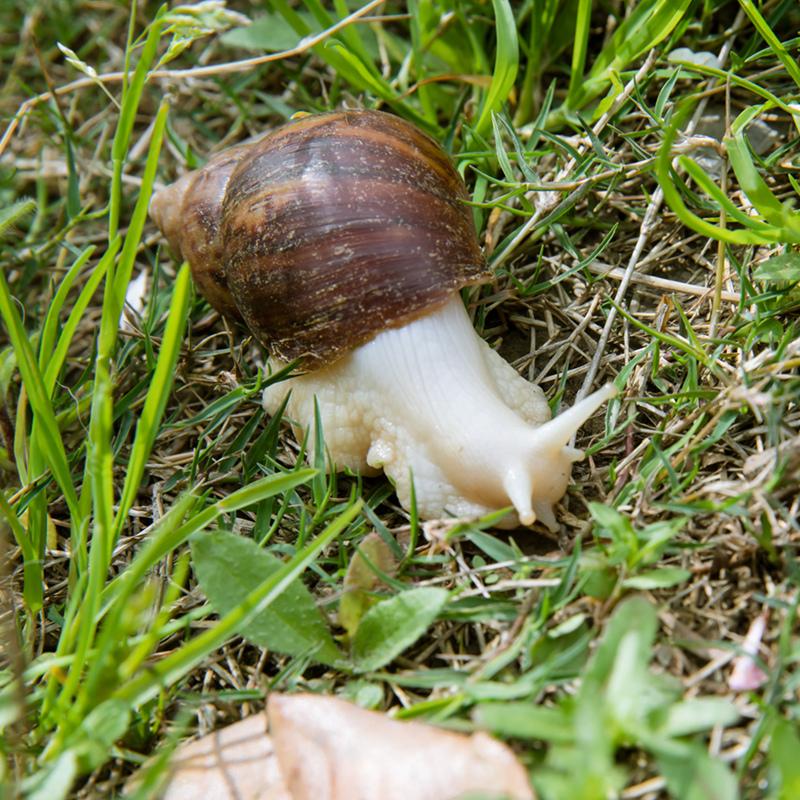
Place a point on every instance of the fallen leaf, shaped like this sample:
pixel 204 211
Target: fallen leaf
pixel 324 748
pixel 237 762
pixel 329 749
pixel 373 557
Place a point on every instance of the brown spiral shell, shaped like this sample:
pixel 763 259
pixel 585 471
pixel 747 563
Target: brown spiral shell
pixel 325 232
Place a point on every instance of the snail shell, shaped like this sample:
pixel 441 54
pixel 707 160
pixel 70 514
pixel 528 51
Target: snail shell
pixel 325 232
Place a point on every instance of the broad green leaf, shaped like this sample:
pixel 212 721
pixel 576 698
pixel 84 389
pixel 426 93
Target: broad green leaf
pixel 390 627
pixel 619 527
pixel 98 731
pixel 269 33
pixel 658 578
pixel 149 683
pixel 785 267
pixel 634 614
pixel 699 714
pixel 598 577
pixel 694 775
pixel 616 524
pixel 655 537
pixel 632 691
pixel 229 567
pixel 266 34
pixel 783 757
pixel 54 781
pixel 169 533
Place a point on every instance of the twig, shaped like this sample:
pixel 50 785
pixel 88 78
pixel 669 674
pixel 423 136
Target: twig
pixel 618 274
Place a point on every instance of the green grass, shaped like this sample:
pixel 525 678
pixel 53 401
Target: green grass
pixel 137 468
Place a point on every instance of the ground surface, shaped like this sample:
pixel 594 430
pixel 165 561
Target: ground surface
pixel 633 168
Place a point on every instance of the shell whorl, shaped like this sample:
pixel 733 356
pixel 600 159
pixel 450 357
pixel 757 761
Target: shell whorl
pixel 189 213
pixel 332 228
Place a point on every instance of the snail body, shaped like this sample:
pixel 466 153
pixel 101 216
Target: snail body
pixel 342 240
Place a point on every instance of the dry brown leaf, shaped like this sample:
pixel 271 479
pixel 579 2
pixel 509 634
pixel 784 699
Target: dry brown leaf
pixel 234 763
pixel 333 750
pixel 323 748
pixel 362 580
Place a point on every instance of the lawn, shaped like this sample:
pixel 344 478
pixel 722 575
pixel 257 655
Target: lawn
pixel 168 554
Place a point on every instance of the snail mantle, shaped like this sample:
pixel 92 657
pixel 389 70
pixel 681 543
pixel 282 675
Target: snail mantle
pixel 342 240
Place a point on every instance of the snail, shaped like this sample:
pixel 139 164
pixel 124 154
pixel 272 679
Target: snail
pixel 343 239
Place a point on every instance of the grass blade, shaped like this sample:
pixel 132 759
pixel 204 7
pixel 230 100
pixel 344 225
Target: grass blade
pixel 699 176
pixel 52 362
pixel 582 24
pixel 122 274
pixel 506 64
pixel 14 212
pixel 52 444
pixel 663 169
pixel 48 337
pixel 156 401
pixel 131 96
pixel 768 35
pixel 756 188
